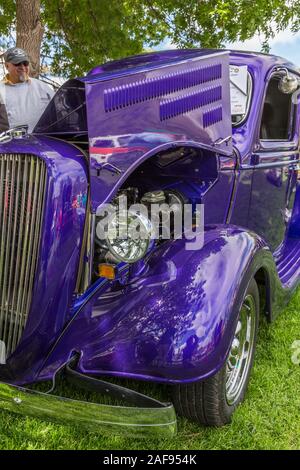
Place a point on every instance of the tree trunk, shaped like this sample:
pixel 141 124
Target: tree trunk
pixel 30 31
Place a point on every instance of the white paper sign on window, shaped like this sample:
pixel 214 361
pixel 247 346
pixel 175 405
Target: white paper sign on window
pixel 238 89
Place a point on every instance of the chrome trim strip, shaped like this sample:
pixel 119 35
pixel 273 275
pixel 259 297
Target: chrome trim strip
pixel 85 269
pixel 91 246
pixel 132 421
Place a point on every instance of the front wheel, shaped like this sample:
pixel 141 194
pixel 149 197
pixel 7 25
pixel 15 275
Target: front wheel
pixel 212 401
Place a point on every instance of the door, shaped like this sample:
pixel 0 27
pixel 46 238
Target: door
pixel 275 165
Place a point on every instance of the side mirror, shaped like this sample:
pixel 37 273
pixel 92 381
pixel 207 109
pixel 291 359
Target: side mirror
pixel 288 84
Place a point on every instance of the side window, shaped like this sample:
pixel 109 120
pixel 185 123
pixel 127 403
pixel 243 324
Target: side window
pixel 240 93
pixel 277 116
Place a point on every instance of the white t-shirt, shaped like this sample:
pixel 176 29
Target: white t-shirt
pixel 25 102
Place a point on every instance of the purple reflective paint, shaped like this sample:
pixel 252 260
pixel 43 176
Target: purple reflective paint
pixel 174 320
pixel 141 339
pixel 183 104
pixel 148 89
pixel 212 117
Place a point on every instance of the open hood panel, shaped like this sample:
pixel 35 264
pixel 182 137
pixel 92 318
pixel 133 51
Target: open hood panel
pixel 135 107
pixel 187 100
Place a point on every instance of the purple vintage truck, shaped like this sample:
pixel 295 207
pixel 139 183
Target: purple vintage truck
pixel 214 129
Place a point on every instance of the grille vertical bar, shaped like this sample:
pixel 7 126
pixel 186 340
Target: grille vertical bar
pixel 22 193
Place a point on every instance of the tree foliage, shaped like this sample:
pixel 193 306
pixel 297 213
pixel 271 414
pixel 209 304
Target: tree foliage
pixel 7 20
pixel 82 33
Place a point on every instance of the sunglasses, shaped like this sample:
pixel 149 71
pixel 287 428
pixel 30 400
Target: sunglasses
pixel 25 63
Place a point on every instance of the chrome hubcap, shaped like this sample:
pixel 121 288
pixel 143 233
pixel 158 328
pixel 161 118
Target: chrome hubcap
pixel 239 358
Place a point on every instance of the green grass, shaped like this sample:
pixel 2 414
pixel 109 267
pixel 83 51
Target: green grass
pixel 268 419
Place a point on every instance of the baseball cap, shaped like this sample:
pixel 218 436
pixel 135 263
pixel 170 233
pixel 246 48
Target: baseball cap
pixel 15 55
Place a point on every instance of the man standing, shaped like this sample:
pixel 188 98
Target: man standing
pixel 22 98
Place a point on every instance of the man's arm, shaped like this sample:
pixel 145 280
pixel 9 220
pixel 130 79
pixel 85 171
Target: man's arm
pixel 4 125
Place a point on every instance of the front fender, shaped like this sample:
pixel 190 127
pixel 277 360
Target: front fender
pixel 176 322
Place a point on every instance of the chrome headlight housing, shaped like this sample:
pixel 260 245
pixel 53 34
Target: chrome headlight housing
pixel 128 239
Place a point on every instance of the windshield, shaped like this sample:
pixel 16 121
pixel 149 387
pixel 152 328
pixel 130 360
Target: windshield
pixel 66 111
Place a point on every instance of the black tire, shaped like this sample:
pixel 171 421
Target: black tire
pixel 209 402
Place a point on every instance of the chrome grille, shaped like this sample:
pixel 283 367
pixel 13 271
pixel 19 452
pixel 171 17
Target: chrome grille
pixel 22 193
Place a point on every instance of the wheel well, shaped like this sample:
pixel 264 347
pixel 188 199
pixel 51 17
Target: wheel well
pixel 262 279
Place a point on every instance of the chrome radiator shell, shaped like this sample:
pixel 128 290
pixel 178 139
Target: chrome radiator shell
pixel 23 180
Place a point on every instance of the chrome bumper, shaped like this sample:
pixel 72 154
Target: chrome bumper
pixel 145 422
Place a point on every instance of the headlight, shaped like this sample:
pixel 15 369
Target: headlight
pixel 128 240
